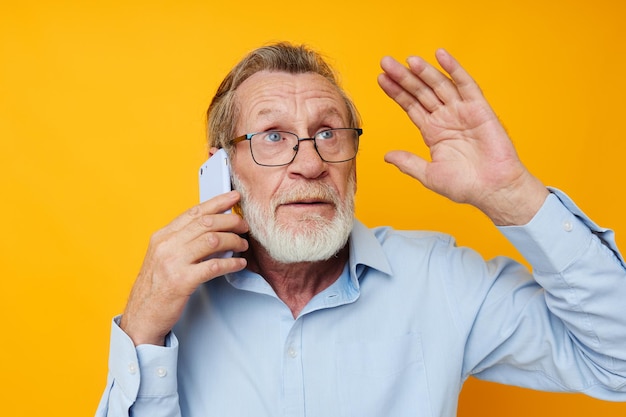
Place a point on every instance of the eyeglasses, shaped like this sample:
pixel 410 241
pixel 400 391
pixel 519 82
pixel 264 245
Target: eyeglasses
pixel 276 148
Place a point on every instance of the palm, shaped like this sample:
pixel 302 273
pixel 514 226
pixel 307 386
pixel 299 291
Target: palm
pixel 471 154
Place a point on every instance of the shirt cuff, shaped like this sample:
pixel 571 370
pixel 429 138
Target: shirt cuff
pixel 145 370
pixel 556 236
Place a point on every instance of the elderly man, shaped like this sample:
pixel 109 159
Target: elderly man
pixel 318 315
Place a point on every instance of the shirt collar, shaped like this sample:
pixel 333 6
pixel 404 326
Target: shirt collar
pixel 366 251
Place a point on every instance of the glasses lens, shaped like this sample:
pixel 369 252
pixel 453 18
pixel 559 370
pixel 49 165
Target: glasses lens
pixel 337 145
pixel 273 147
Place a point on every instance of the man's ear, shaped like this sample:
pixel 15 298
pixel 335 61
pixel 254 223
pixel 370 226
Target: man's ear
pixel 212 151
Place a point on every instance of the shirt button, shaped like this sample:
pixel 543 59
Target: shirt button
pixel 161 372
pixel 568 226
pixel 132 368
pixel 292 352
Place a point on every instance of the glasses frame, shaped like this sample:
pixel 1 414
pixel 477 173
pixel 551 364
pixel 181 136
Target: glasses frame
pixel 248 137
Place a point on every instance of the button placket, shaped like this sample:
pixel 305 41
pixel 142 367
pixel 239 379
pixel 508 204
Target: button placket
pixel 293 375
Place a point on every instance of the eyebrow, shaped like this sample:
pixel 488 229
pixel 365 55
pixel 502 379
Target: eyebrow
pixel 266 112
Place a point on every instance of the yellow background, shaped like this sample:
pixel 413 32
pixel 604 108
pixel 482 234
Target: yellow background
pixel 101 129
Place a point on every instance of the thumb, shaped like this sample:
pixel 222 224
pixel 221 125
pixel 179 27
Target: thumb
pixel 408 163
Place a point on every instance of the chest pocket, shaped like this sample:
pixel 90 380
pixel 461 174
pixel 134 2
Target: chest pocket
pixel 384 377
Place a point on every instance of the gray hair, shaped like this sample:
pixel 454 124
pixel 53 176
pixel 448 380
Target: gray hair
pixel 280 57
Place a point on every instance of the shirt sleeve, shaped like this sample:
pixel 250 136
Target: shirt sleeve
pixel 558 234
pixel 572 326
pixel 142 380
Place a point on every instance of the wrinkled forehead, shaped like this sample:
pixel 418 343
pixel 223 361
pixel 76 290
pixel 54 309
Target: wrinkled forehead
pixel 270 94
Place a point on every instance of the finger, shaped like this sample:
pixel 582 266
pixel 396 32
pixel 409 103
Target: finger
pixel 216 267
pixel 212 243
pixel 215 205
pixel 209 235
pixel 465 84
pixel 408 163
pixel 411 83
pixel 407 102
pixel 209 229
pixel 441 86
pixel 229 222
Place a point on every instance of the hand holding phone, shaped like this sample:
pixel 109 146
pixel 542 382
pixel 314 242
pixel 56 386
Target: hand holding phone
pixel 214 179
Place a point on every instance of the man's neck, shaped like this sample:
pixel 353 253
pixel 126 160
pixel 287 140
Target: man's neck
pixel 296 283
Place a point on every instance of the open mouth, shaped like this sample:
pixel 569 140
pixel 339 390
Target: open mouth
pixel 298 198
pixel 311 204
pixel 307 202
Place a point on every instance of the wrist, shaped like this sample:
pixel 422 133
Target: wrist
pixel 138 334
pixel 517 204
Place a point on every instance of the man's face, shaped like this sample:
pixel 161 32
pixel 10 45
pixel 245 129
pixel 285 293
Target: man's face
pixel 308 202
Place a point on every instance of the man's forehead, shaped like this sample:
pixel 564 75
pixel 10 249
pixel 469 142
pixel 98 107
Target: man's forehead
pixel 276 112
pixel 273 84
pixel 268 94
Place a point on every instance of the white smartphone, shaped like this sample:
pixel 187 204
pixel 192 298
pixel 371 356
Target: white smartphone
pixel 214 176
pixel 214 179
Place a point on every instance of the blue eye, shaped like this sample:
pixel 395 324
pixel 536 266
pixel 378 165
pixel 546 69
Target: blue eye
pixel 273 136
pixel 326 134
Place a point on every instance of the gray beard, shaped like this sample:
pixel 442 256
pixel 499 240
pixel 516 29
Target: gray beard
pixel 313 238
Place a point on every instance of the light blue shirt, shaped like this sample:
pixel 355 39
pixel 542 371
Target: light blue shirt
pixel 411 317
